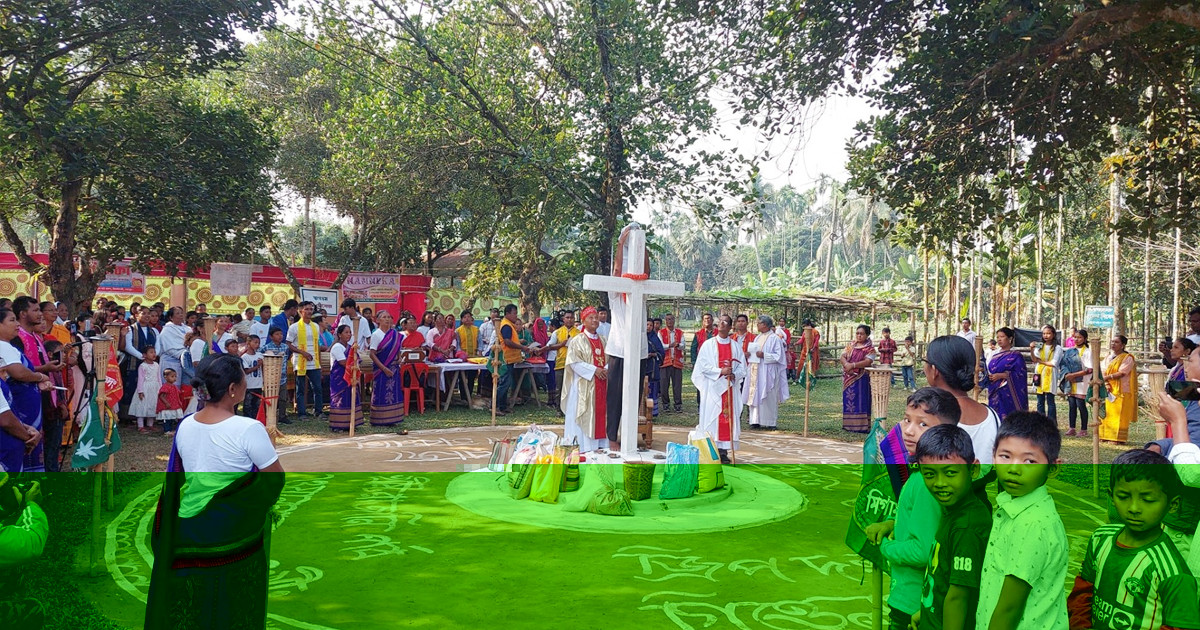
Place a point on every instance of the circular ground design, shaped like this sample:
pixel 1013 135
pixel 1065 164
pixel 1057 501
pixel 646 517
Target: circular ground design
pixel 748 499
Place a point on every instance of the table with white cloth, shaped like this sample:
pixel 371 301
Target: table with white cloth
pixel 526 374
pixel 457 372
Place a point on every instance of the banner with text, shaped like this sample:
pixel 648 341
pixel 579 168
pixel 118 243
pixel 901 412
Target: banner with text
pixel 122 279
pixel 372 287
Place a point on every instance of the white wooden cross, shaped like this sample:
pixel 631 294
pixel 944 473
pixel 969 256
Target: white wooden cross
pixel 635 291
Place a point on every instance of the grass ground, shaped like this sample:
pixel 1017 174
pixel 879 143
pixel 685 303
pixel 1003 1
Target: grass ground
pixel 533 565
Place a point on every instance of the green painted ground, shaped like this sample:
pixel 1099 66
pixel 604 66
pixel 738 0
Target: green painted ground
pixel 389 550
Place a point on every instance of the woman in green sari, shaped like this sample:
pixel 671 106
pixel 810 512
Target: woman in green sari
pixel 212 530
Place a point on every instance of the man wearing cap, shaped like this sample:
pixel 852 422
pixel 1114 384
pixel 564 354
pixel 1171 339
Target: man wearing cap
pixel 585 385
pixel 23 533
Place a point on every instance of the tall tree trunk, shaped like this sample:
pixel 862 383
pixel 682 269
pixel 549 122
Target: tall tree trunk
pixel 925 291
pixel 1146 331
pixel 937 295
pixel 832 234
pixel 615 165
pixel 60 272
pixel 1114 285
pixel 1175 328
pixel 1039 252
pixel 281 262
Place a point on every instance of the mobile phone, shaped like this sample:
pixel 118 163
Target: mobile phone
pixel 1184 390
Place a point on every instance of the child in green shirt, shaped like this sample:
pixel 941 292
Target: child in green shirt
pixel 907 539
pixel 1025 565
pixel 1133 577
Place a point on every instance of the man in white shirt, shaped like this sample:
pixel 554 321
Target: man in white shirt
pixel 303 340
pixel 1194 325
pixel 622 361
pixel 360 328
pixel 262 325
pixel 487 333
pixel 170 341
pixel 605 328
pixel 966 332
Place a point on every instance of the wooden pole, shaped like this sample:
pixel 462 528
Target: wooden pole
pixel 495 381
pixel 877 598
pixel 96 553
pixel 353 405
pixel 1097 382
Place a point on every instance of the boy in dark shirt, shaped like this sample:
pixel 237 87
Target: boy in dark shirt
pixel 951 592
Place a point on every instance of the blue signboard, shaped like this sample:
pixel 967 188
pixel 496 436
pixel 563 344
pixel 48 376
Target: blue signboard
pixel 1099 317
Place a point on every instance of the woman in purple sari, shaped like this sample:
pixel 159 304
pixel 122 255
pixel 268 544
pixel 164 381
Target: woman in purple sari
pixel 1007 381
pixel 340 394
pixel 856 387
pixel 387 394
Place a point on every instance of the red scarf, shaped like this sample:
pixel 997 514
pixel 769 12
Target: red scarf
pixel 724 421
pixel 599 423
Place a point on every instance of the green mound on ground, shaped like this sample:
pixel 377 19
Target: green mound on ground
pixel 747 500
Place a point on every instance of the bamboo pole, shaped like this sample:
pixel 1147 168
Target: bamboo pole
pixel 1097 382
pixel 1175 328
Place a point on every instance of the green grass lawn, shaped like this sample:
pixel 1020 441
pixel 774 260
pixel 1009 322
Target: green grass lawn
pixel 506 561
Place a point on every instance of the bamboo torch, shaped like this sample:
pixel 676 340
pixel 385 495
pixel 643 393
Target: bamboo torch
pixel 101 350
pixel 1157 377
pixel 1097 383
pixel 272 374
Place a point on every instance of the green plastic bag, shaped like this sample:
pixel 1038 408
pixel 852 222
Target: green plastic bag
pixel 590 483
pixel 681 475
pixel 569 454
pixel 520 480
pixel 711 476
pixel 599 493
pixel 547 479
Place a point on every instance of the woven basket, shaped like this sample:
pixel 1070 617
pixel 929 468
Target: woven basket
pixel 639 479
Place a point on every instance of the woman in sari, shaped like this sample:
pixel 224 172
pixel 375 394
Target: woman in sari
pixel 387 395
pixel 211 535
pixel 1007 380
pixel 856 387
pixel 25 387
pixel 445 340
pixel 340 393
pixel 1120 377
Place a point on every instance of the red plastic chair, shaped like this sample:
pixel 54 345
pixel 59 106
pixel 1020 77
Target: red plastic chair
pixel 411 375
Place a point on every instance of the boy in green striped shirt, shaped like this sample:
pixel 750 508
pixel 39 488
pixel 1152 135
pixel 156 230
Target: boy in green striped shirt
pixel 1133 577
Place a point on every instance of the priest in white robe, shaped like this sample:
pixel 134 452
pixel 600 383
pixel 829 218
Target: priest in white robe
pixel 765 386
pixel 718 374
pixel 586 388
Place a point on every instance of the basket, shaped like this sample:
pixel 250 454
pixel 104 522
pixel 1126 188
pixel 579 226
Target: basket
pixel 639 479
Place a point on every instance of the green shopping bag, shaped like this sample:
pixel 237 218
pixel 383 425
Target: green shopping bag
pixel 547 479
pixel 569 454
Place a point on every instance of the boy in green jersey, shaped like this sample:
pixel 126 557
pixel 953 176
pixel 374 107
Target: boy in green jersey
pixel 951 593
pixel 1133 577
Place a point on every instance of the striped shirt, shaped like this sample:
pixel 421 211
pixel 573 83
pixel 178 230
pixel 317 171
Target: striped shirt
pixel 1138 589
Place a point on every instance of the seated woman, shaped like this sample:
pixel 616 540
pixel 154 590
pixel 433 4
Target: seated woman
pixel 211 535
